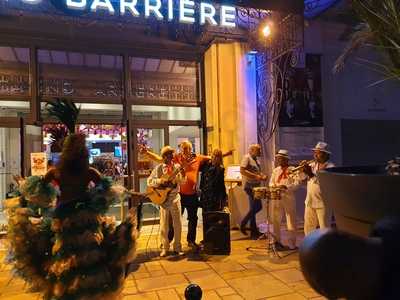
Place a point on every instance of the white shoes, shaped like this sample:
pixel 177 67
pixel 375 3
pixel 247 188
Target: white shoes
pixel 163 253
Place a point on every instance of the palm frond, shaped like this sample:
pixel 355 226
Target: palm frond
pixel 380 29
pixel 65 111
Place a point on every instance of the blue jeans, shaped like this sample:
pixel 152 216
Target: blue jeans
pixel 254 207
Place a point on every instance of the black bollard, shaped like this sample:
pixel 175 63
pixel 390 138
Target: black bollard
pixel 193 292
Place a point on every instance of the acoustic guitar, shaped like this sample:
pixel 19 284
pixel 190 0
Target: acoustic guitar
pixel 158 195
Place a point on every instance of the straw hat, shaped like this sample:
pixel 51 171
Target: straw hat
pixel 322 146
pixel 167 149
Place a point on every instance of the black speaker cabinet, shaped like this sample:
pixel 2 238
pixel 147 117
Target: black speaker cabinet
pixel 216 232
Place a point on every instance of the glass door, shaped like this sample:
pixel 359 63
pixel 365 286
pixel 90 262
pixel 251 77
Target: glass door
pixel 153 139
pixel 10 165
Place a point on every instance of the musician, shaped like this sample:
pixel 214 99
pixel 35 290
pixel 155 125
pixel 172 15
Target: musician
pixel 252 177
pixel 316 211
pixel 286 183
pixel 172 206
pixel 188 192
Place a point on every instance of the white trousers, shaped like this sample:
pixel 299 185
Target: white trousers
pixel 287 205
pixel 314 217
pixel 174 210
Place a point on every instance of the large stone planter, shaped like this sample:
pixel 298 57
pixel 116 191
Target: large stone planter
pixel 360 196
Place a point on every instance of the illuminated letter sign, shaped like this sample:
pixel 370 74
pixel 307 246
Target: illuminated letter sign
pixel 207 12
pixel 130 5
pixel 228 15
pixel 186 10
pixel 102 4
pixel 32 1
pixel 74 4
pixel 155 8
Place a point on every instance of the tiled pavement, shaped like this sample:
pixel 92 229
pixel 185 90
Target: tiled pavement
pixel 241 275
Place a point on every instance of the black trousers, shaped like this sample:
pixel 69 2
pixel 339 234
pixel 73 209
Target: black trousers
pixel 191 204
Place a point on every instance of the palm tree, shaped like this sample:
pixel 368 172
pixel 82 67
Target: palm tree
pixel 379 29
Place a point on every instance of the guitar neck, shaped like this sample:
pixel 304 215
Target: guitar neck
pixel 175 173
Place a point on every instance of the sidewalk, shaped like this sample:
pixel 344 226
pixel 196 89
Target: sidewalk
pixel 242 275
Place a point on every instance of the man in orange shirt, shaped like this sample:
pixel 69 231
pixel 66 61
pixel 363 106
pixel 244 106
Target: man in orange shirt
pixel 189 198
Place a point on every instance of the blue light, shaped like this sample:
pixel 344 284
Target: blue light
pixel 252 52
pixel 313 8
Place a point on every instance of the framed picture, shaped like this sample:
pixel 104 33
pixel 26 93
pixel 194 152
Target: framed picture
pixel 302 95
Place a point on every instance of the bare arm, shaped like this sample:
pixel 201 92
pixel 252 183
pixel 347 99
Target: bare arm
pixel 94 175
pixel 251 175
pixel 229 153
pixel 151 155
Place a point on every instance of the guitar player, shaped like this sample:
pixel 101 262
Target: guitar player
pixel 188 192
pixel 172 206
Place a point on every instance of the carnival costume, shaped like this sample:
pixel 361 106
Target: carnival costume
pixel 61 242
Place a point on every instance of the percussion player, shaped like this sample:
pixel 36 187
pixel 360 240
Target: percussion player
pixel 252 177
pixel 282 180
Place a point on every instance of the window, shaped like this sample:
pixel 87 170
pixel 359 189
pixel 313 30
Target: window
pixel 163 80
pixel 14 71
pixel 78 74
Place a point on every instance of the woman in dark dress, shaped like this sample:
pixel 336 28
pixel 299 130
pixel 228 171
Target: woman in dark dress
pixel 212 186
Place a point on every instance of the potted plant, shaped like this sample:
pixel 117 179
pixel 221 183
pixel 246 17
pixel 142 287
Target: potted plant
pixel 360 196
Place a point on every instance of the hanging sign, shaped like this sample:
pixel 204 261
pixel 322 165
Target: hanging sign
pixel 38 164
pixel 186 11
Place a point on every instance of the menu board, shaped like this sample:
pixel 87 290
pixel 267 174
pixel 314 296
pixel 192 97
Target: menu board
pixel 39 164
pixel 233 173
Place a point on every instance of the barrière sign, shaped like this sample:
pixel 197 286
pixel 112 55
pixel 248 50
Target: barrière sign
pixel 185 10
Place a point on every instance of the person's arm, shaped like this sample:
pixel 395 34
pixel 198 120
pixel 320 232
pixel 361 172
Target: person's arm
pixel 151 155
pixel 251 175
pixel 273 178
pixel 153 180
pixel 208 157
pixel 229 153
pixel 94 175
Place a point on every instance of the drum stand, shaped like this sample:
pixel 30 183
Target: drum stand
pixel 268 235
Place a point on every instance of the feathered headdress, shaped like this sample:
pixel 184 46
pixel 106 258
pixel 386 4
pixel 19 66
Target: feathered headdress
pixel 65 111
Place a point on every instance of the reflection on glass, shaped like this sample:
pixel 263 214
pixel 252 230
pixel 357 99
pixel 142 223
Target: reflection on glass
pixel 148 112
pixel 14 108
pixel 10 161
pixel 14 71
pixel 178 134
pixel 153 139
pixel 163 80
pixel 64 73
pixel 98 112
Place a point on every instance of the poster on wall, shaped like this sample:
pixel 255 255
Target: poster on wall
pixel 38 163
pixel 302 96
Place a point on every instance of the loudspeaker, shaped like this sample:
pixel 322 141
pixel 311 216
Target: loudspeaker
pixel 216 233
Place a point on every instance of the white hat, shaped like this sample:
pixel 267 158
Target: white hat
pixel 322 146
pixel 283 153
pixel 167 149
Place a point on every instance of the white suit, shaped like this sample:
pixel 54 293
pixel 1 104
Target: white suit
pixel 287 203
pixel 316 211
pixel 172 206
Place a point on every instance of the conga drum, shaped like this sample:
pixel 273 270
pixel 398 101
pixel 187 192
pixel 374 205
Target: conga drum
pixel 260 192
pixel 275 193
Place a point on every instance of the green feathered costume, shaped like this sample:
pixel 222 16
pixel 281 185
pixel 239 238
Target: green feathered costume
pixel 64 245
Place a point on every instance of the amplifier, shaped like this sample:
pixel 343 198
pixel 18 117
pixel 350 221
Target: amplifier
pixel 216 233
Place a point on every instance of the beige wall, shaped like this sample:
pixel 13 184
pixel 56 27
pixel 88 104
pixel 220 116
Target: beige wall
pixel 230 99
